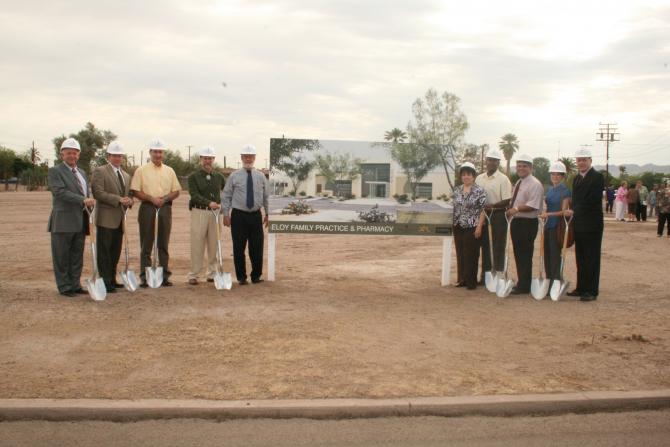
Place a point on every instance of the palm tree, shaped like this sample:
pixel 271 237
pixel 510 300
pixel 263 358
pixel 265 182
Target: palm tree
pixel 570 165
pixel 395 135
pixel 509 145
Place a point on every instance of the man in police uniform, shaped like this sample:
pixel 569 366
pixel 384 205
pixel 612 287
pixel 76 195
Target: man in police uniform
pixel 156 185
pixel 111 188
pixel 68 222
pixel 245 193
pixel 204 186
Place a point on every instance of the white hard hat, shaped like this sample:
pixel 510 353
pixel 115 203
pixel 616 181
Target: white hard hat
pixel 466 165
pixel 494 153
pixel 70 143
pixel 157 145
pixel 248 150
pixel 525 158
pixel 115 148
pixel 207 151
pixel 583 153
pixel 557 167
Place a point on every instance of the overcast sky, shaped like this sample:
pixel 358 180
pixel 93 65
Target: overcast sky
pixel 546 71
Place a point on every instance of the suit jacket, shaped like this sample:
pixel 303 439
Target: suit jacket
pixel 587 196
pixel 108 193
pixel 67 213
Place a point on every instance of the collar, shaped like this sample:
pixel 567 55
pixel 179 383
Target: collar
pixel 583 174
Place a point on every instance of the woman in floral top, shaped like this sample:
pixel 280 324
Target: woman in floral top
pixel 469 200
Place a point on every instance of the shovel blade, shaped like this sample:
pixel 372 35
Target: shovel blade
pixel 539 288
pixel 558 289
pixel 504 288
pixel 129 280
pixel 223 281
pixel 154 277
pixel 96 289
pixel 491 281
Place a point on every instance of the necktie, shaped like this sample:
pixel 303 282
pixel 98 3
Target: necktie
pixel 250 190
pixel 123 185
pixel 79 185
pixel 516 191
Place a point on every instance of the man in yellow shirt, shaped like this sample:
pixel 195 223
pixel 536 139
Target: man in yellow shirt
pixel 156 186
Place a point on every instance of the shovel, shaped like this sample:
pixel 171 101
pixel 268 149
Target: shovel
pixel 155 273
pixel 222 280
pixel 95 285
pixel 540 286
pixel 127 276
pixel 559 287
pixel 504 284
pixel 490 278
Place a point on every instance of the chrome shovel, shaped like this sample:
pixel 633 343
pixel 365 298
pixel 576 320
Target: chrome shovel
pixel 222 280
pixel 95 285
pixel 504 284
pixel 127 276
pixel 540 286
pixel 559 287
pixel 154 273
pixel 490 278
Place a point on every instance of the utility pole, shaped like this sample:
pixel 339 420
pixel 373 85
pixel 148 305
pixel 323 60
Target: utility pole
pixel 607 133
pixel 189 146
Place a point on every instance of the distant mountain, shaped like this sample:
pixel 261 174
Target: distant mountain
pixel 636 169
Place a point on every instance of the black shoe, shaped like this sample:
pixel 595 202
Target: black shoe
pixel 574 293
pixel 144 284
pixel 587 297
pixel 257 280
pixel 517 291
pixel 243 282
pixel 459 284
pixel 79 291
pixel 118 286
pixel 68 294
pixel 110 289
pixel 210 279
pixel 166 283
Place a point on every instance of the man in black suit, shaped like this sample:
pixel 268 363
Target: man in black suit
pixel 587 214
pixel 68 222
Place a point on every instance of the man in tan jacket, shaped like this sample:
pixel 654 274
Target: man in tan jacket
pixel 111 189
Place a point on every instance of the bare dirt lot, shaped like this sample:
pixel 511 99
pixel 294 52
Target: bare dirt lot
pixel 355 316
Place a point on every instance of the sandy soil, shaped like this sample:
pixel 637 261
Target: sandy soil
pixel 356 316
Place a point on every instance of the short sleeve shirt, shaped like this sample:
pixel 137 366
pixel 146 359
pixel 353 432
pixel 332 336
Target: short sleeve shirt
pixel 468 207
pixel 530 194
pixel 157 181
pixel 554 201
pixel 497 187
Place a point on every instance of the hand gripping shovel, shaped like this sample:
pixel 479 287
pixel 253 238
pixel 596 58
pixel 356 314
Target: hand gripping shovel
pixel 490 278
pixel 155 273
pixel 540 286
pixel 222 280
pixel 559 287
pixel 95 285
pixel 504 284
pixel 127 276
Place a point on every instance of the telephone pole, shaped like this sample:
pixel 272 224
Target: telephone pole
pixel 607 133
pixel 189 146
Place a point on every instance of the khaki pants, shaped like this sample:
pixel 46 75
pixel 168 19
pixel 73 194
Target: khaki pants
pixel 203 234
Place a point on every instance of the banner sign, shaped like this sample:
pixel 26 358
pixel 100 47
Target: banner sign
pixel 354 187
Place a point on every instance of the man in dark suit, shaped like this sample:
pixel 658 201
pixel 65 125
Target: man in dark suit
pixel 68 223
pixel 111 189
pixel 587 214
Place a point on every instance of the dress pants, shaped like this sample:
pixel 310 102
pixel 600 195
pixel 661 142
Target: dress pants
pixel 146 218
pixel 552 255
pixel 247 226
pixel 67 254
pixel 663 218
pixel 108 241
pixel 641 212
pixel 587 252
pixel 499 230
pixel 203 235
pixel 467 255
pixel 524 231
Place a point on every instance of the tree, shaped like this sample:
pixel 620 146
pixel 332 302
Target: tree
pixel 416 162
pixel 509 144
pixel 298 170
pixel 622 172
pixel 439 125
pixel 570 165
pixel 541 170
pixel 338 167
pixel 92 141
pixel 283 149
pixel 395 135
pixel 174 160
pixel 7 157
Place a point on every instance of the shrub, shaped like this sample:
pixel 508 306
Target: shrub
pixel 375 215
pixel 298 207
pixel 303 193
pixel 401 198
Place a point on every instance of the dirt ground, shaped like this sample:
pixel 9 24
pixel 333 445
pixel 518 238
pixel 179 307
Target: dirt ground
pixel 356 316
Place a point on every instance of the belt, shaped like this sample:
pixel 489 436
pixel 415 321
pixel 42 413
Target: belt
pixel 151 204
pixel 246 212
pixel 200 207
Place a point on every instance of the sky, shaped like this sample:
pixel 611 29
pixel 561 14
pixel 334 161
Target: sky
pixel 231 73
